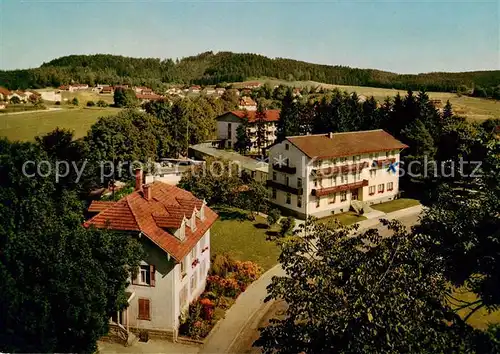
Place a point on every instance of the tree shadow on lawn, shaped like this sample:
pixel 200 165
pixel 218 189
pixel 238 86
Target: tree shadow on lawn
pixel 272 233
pixel 231 214
pixel 261 225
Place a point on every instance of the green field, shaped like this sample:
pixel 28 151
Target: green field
pixel 25 126
pixel 83 96
pixel 471 107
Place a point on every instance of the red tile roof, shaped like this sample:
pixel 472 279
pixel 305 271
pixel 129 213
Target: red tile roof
pixel 4 91
pixel 272 115
pixel 346 144
pixel 247 101
pixel 99 205
pixel 166 209
pixel 148 96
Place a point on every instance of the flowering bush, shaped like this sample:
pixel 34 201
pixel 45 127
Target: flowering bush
pixel 246 272
pixel 223 286
pixel 207 309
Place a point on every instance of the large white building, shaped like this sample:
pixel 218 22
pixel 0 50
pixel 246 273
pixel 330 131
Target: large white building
pixel 174 229
pixel 320 175
pixel 228 123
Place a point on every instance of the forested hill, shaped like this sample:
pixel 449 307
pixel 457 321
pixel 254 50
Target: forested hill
pixel 210 68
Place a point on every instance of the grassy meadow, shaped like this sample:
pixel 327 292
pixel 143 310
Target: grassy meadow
pixel 25 126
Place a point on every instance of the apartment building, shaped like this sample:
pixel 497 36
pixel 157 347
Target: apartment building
pixel 324 174
pixel 228 123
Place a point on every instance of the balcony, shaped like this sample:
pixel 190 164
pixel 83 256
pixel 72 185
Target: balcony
pixel 336 170
pixel 285 169
pixel 284 188
pixel 330 190
pixel 383 162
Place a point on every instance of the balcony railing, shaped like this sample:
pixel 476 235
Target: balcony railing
pixel 336 170
pixel 330 190
pixel 285 169
pixel 284 187
pixel 383 162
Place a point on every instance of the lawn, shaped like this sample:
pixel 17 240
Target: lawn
pixel 26 126
pixel 394 205
pixel 243 239
pixel 472 107
pixel 344 218
pixel 481 318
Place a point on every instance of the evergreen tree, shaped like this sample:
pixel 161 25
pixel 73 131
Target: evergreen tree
pixel 243 142
pixel 289 122
pixel 447 111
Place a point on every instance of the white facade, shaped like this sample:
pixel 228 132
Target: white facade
pixel 308 187
pixel 51 96
pixel 176 285
pixel 227 126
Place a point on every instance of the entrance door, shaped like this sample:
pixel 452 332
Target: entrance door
pixel 354 195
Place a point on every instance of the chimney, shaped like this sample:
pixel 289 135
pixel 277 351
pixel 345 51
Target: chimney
pixel 330 135
pixel 147 192
pixel 138 179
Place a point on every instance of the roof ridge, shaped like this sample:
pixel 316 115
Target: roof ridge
pixel 132 211
pixel 338 133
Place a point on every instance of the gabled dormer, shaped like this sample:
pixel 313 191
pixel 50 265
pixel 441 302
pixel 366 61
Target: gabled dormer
pixel 192 221
pixel 180 233
pixel 201 213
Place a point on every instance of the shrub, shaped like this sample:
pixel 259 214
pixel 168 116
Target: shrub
pixel 90 104
pixel 223 286
pixel 273 216
pixel 222 265
pixel 101 103
pixel 287 225
pixel 58 103
pixel 75 102
pixel 143 336
pixel 193 325
pixel 247 272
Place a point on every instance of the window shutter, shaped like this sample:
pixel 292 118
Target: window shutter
pixel 152 271
pixel 141 308
pixel 144 309
pixel 147 310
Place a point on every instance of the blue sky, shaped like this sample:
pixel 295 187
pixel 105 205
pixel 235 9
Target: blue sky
pixel 400 36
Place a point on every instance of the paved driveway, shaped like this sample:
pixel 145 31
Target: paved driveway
pixel 152 346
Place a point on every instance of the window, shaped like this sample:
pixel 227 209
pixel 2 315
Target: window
pixel 299 201
pixel 371 156
pixel 356 158
pixel 331 198
pixel 387 153
pixel 315 182
pixel 390 186
pixel 343 159
pixel 373 173
pixel 333 161
pixel 333 181
pixel 273 191
pixel 183 267
pixel 299 183
pixel 343 179
pixel 229 144
pixel 318 202
pixel 146 275
pixel 287 180
pixel 183 296
pixel 288 198
pixel 371 190
pixel 274 176
pixel 204 268
pixel 287 147
pixel 229 132
pixel 343 196
pixel 193 283
pixel 381 188
pixel 144 309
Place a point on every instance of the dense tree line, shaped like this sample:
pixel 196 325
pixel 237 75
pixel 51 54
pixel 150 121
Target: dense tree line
pixel 208 68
